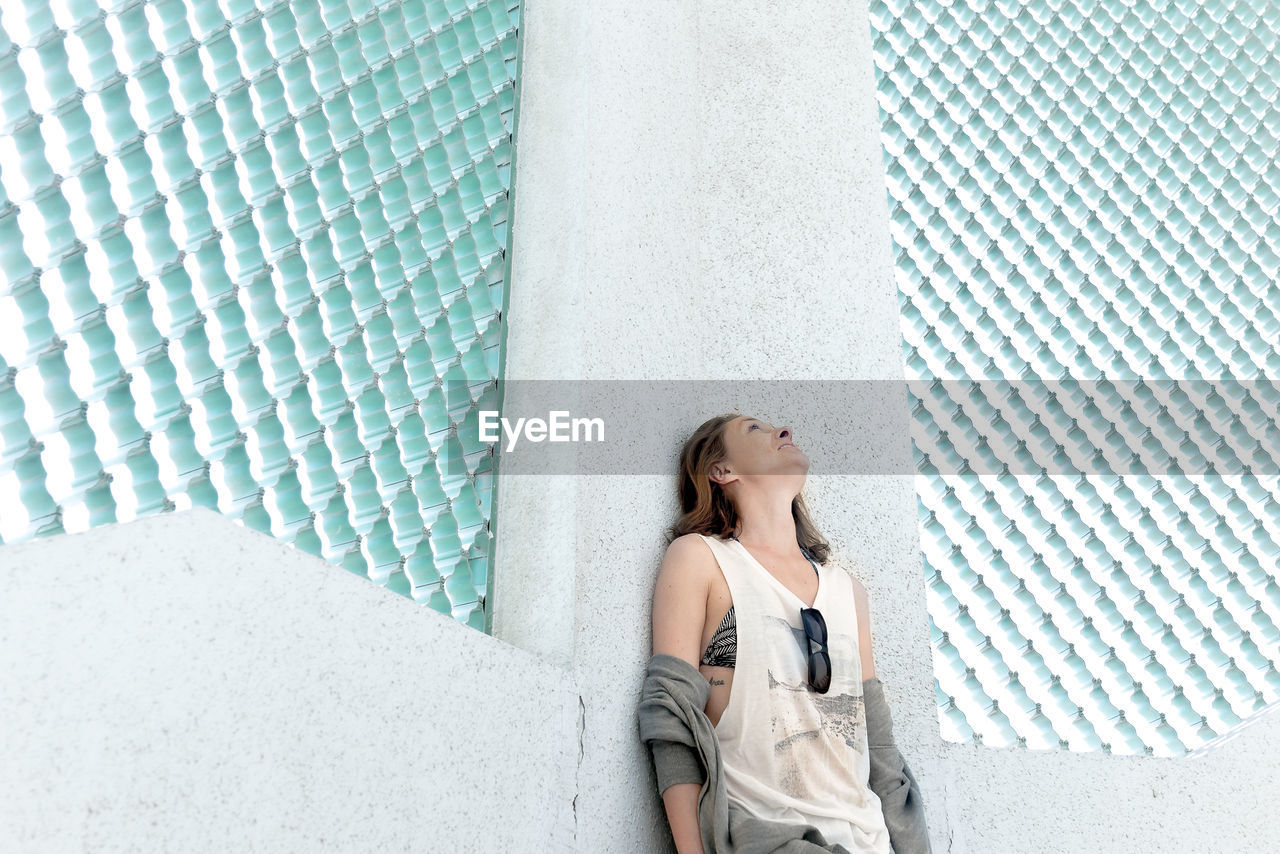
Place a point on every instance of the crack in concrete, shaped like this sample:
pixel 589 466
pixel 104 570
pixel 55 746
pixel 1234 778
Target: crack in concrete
pixel 582 725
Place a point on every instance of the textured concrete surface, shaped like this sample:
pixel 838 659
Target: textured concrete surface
pixel 534 558
pixel 1016 801
pixel 182 683
pixel 703 183
pixel 700 195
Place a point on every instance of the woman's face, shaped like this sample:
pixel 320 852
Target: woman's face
pixel 758 448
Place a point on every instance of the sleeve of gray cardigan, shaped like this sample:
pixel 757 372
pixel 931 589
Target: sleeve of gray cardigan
pixel 891 779
pixel 675 763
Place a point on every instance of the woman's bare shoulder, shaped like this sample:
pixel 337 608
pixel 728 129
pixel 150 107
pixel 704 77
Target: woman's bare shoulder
pixel 688 562
pixel 691 543
pixel 680 598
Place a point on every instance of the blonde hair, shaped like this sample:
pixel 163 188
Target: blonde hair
pixel 705 507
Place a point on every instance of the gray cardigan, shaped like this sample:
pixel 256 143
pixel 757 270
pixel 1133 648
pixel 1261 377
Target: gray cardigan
pixel 684 748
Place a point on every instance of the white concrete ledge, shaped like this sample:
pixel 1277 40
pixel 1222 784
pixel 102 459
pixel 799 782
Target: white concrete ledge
pixel 182 683
pixel 1004 800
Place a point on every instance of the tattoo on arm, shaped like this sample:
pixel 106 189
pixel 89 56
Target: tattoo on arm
pixel 717 681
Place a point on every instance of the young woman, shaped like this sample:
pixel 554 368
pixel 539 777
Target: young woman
pixel 794 740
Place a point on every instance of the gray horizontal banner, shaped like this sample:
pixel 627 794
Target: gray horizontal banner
pixel 876 427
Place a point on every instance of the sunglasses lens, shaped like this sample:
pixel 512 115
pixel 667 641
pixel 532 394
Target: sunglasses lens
pixel 820 672
pixel 814 626
pixel 815 630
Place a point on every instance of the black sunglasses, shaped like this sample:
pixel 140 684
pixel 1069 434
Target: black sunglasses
pixel 815 632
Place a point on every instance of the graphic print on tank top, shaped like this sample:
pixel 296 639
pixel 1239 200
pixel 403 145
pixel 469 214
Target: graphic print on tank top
pixel 789 753
pixel 798 726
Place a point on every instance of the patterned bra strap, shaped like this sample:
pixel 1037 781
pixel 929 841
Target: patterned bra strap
pixel 723 649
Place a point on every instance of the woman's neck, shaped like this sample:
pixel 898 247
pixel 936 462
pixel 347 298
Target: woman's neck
pixel 767 525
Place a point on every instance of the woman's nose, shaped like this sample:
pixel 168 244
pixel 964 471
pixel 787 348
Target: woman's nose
pixel 784 433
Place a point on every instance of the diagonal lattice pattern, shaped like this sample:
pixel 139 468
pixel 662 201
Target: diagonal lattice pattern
pixel 252 258
pixel 1089 190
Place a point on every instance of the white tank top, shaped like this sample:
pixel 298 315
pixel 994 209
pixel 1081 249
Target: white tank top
pixel 791 754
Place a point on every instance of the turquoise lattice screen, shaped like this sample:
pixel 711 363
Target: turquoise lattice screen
pixel 1089 190
pixel 253 260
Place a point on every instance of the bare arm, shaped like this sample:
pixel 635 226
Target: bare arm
pixel 864 629
pixel 681 802
pixel 679 610
pixel 900 799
